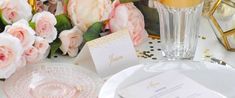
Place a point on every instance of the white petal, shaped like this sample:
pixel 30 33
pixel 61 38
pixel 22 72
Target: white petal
pixel 29 36
pixel 52 36
pixel 14 44
pixel 47 14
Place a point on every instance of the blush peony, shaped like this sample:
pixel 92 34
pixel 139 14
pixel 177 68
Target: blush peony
pixel 84 13
pixel 127 16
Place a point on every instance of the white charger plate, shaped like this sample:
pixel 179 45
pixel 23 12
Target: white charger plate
pixel 213 76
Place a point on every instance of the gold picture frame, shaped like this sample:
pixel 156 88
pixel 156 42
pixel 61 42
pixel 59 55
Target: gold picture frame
pixel 226 36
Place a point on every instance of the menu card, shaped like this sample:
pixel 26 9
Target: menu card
pixel 168 85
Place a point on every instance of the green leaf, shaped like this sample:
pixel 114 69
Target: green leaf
pixel 93 31
pixel 2 27
pixel 32 25
pixel 2 20
pixel 3 23
pixel 54 47
pixel 126 1
pixel 151 17
pixel 63 23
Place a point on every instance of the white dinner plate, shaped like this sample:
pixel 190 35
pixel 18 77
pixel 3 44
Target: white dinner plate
pixel 213 76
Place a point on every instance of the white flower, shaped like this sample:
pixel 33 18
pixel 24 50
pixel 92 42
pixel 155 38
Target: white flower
pixel 23 32
pixel 86 12
pixel 10 53
pixel 42 45
pixel 14 10
pixel 71 40
pixel 38 51
pixel 45 25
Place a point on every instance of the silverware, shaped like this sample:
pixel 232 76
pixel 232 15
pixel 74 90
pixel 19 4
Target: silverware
pixel 221 62
pixel 120 96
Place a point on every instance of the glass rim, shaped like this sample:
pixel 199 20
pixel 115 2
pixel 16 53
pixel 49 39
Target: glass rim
pixel 180 3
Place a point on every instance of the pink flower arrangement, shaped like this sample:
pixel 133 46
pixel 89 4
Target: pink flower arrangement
pixel 121 16
pixel 20 44
pixel 28 38
pixel 23 41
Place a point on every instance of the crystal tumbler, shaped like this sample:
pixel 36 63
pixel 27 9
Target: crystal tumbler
pixel 179 26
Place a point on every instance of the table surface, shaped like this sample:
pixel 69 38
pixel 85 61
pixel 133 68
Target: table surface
pixel 208 45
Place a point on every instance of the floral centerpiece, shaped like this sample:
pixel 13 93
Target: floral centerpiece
pixel 35 29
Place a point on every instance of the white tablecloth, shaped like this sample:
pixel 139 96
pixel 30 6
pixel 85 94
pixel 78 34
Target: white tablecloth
pixel 208 45
pixel 211 45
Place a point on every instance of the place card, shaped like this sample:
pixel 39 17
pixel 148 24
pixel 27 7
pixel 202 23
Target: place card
pixel 168 85
pixel 109 54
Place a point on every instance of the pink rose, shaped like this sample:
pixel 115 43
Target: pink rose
pixel 14 10
pixel 42 45
pixel 86 12
pixel 128 16
pixel 23 32
pixel 10 53
pixel 45 25
pixel 71 40
pixel 32 55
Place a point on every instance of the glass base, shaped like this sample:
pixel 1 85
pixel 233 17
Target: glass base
pixel 178 55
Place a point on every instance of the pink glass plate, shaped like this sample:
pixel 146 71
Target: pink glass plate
pixel 52 80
